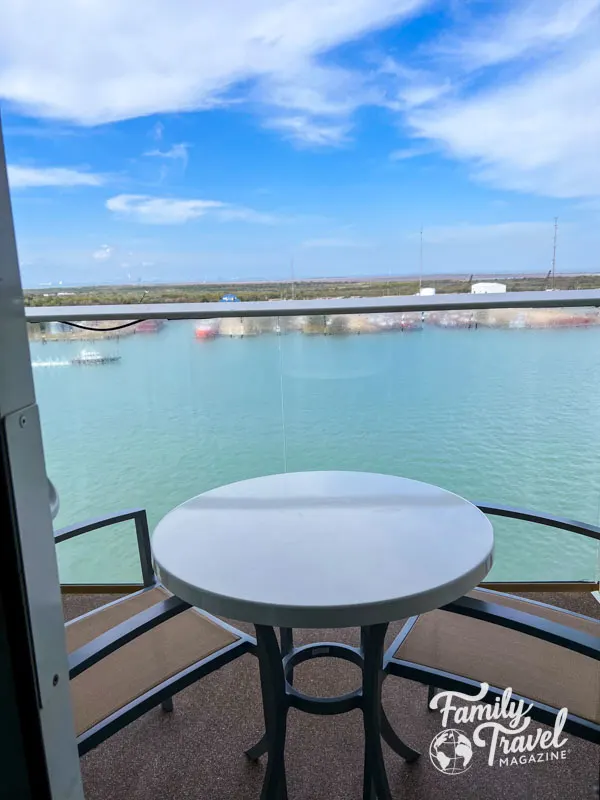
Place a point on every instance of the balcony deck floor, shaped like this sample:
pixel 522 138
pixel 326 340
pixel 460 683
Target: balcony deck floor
pixel 196 752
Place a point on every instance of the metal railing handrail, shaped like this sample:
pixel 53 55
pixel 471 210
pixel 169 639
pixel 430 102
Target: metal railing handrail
pixel 576 298
pixel 540 518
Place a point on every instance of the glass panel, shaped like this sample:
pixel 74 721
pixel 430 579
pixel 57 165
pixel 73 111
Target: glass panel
pixel 178 413
pixel 107 555
pixel 528 552
pixel 498 406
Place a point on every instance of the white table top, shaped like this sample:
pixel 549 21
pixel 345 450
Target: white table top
pixel 323 549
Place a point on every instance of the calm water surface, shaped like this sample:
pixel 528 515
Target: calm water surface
pixel 511 416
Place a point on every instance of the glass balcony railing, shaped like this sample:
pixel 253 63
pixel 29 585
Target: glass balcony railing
pixel 498 405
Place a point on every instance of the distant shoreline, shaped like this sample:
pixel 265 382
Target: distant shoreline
pixel 383 278
pixel 314 289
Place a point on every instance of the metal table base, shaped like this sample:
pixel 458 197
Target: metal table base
pixel 279 694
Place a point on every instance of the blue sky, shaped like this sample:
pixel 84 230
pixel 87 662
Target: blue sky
pixel 199 141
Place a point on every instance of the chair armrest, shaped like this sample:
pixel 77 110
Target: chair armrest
pixel 105 644
pixel 141 529
pixel 551 521
pixel 98 522
pixel 531 624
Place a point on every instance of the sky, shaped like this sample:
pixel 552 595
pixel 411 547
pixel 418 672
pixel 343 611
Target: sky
pixel 256 139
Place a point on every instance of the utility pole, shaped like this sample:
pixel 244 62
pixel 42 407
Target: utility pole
pixel 554 253
pixel 421 262
pixel 293 282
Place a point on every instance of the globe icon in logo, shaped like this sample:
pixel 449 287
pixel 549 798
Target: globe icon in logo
pixel 451 752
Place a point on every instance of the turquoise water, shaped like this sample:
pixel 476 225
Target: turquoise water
pixel 510 416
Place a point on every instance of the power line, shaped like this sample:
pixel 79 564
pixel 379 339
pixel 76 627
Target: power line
pixel 101 330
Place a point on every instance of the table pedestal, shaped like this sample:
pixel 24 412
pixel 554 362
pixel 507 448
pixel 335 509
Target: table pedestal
pixel 277 677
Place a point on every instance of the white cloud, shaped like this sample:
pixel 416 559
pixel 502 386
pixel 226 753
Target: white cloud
pixel 109 62
pixel 535 125
pixel 405 87
pixel 178 152
pixel 526 28
pixel 309 132
pixel 405 153
pixel 540 134
pixel 159 210
pixel 103 253
pixel 157 131
pixel 30 177
pixel 175 211
pixel 317 91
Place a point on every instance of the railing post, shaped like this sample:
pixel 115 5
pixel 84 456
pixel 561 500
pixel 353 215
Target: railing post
pixel 143 539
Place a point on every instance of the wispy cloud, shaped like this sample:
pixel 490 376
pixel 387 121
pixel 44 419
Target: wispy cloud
pixel 30 177
pixel 541 134
pixel 176 211
pixel 536 126
pixel 524 29
pixel 103 253
pixel 159 210
pixel 313 105
pixel 157 131
pixel 405 153
pixel 309 132
pixel 404 87
pixel 178 152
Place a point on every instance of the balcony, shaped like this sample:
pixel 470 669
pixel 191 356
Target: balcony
pixel 492 398
pixel 197 751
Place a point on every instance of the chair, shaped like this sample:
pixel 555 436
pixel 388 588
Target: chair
pixel 138 651
pixel 545 654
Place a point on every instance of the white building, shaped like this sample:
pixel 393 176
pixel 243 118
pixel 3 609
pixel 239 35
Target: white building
pixel 427 291
pixel 487 288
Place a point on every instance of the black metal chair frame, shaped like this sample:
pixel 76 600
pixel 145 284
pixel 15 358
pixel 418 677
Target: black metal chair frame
pixel 90 654
pixel 530 624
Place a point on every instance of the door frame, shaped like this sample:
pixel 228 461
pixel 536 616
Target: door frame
pixel 33 658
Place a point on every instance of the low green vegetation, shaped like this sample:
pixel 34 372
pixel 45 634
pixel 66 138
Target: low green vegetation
pixel 302 290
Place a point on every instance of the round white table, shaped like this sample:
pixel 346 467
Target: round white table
pixel 323 550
